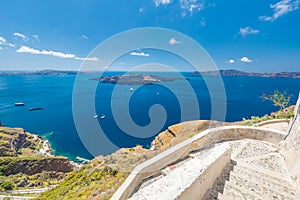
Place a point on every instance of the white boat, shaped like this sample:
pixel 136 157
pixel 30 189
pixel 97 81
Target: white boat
pixel 131 89
pixel 95 116
pixel 102 117
pixel 19 104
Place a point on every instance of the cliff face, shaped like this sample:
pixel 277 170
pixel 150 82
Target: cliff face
pixel 32 166
pixel 12 140
pixel 180 132
pixel 19 153
pixel 20 142
pixel 26 163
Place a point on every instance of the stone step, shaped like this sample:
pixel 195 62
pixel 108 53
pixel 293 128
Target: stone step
pixel 237 193
pixel 218 185
pixel 258 148
pixel 262 179
pixel 272 162
pixel 263 190
pixel 262 172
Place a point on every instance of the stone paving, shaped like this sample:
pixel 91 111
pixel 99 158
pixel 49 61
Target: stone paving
pixel 258 172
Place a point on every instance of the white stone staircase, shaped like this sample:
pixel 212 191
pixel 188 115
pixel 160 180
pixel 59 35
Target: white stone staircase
pixel 259 173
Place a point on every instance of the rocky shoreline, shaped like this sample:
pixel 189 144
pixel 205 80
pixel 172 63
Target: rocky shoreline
pixel 28 162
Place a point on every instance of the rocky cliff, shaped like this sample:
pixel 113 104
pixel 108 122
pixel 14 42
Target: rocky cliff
pixel 12 140
pixel 23 163
pixel 34 165
pixel 180 132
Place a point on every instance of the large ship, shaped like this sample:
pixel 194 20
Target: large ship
pixel 37 108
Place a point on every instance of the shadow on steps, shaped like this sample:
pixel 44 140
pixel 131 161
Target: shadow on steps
pixel 219 184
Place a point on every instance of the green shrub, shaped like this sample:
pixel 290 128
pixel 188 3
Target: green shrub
pixel 7 185
pixel 287 113
pixel 32 147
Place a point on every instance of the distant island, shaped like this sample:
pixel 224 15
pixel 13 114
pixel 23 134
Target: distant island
pixel 38 72
pixel 232 72
pixel 135 79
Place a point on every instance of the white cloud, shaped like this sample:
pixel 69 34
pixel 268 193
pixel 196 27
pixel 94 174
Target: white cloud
pixel 281 8
pixel 20 35
pixel 162 2
pixel 36 37
pixel 189 6
pixel 5 43
pixel 134 53
pixel 246 60
pixel 173 41
pixel 231 61
pixel 25 49
pixel 248 31
pixel 84 37
pixel 186 6
pixel 2 40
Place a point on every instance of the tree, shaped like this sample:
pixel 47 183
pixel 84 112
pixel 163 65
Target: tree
pixel 279 99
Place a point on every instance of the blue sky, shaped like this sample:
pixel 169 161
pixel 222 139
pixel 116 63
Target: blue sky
pixel 247 35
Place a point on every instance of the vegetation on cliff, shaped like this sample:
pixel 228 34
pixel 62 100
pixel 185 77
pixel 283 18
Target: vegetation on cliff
pixel 287 113
pixel 279 99
pixel 24 161
pixel 100 178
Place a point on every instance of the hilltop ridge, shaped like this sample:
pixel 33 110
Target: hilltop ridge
pixel 233 72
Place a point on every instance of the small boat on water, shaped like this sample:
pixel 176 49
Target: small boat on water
pixel 95 116
pixel 102 117
pixel 37 108
pixel 19 104
pixel 131 89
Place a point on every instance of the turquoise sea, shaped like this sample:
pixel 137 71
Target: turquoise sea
pixel 55 121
